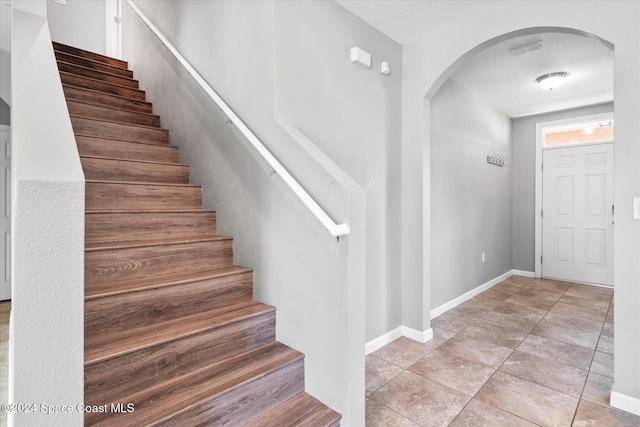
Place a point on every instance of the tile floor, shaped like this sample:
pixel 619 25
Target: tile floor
pixel 526 352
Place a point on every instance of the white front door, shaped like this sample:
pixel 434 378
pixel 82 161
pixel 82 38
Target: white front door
pixel 5 213
pixel 577 214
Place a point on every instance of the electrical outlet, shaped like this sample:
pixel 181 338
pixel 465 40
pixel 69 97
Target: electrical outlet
pixel 483 257
pixel 62 2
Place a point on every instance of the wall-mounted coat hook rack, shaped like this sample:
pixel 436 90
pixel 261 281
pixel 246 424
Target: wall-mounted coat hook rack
pixel 497 159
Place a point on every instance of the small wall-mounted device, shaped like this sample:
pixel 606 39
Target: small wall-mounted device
pixel 62 2
pixel 384 68
pixel 359 56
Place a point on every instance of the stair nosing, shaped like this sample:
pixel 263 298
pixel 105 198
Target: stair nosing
pixel 180 164
pixel 144 101
pixel 150 211
pixel 220 272
pixel 124 245
pixel 124 110
pixel 209 316
pixel 91 60
pixel 105 82
pixel 164 184
pixel 124 140
pixel 97 71
pixel 119 123
pixel 198 399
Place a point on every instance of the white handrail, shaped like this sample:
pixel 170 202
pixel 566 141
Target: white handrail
pixel 336 230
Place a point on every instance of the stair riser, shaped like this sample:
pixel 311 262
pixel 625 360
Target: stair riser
pixel 96 74
pixel 127 197
pixel 125 150
pixel 122 132
pixel 100 86
pixel 106 228
pixel 118 170
pixel 110 114
pixel 249 401
pixel 87 63
pixel 110 380
pixel 89 55
pixel 131 264
pixel 105 99
pixel 127 311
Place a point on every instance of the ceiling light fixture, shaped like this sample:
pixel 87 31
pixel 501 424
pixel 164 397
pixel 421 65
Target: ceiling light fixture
pixel 552 80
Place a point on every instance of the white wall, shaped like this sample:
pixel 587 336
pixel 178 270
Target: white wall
pixel 314 281
pixel 427 64
pixel 471 200
pixel 524 179
pixel 46 336
pixel 78 23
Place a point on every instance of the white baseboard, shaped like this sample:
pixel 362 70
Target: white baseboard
pixel 523 273
pixel 398 332
pixel 424 336
pixel 472 293
pixel 626 403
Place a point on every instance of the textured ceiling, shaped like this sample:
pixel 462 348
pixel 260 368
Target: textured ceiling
pixel 503 80
pixel 508 82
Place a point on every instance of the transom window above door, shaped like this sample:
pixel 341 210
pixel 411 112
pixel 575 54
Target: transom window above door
pixel 579 133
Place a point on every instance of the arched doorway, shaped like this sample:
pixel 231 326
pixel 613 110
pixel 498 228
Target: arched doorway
pixel 434 66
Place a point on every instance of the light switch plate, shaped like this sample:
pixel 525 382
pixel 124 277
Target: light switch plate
pixel 636 208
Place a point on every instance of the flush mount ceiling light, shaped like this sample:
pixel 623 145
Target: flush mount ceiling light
pixel 552 80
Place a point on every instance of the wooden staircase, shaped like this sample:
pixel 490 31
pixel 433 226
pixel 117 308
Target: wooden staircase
pixel 170 323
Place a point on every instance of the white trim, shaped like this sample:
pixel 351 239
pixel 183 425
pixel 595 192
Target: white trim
pixel 113 36
pixel 400 331
pixel 472 293
pixel 427 335
pixel 538 191
pixel 625 403
pixel 523 273
pixel 416 335
pixel 382 340
pixel 336 230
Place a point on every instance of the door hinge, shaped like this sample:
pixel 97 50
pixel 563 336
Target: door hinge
pixel 540 259
pixel 541 166
pixel 541 213
pixel 613 209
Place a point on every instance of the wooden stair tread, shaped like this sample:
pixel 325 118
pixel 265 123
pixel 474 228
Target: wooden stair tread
pixel 90 63
pixel 302 410
pixel 125 81
pixel 84 108
pixel 152 242
pixel 109 99
pixel 180 164
pixel 117 169
pixel 102 86
pixel 123 211
pixel 163 401
pixel 105 346
pixel 153 128
pixel 166 280
pixel 159 184
pixel 61 47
